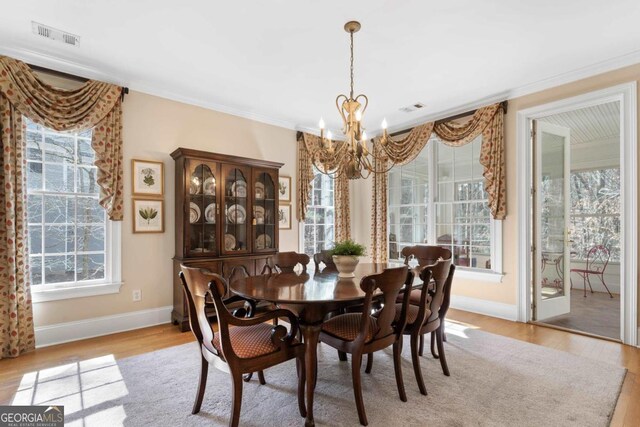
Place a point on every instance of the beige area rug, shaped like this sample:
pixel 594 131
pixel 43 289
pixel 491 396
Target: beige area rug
pixel 495 381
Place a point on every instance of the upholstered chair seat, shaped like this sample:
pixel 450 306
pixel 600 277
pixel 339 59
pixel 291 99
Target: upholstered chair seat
pixel 347 326
pixel 249 341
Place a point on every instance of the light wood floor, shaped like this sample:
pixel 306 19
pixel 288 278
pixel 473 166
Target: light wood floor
pixel 627 412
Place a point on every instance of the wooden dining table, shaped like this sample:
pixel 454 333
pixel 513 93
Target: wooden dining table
pixel 312 295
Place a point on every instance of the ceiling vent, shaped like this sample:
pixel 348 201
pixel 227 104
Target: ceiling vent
pixel 54 34
pixel 413 107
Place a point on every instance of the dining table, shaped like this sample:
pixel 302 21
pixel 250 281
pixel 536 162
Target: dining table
pixel 311 295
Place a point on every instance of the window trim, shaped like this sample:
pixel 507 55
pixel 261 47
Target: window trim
pixel 496 274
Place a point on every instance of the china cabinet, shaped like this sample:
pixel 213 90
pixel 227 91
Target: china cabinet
pixel 226 214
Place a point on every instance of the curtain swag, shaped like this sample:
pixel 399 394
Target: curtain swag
pixel 309 156
pixel 94 105
pixel 488 121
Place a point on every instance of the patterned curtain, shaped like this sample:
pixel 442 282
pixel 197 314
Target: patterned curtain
pixel 16 319
pixel 488 121
pixel 342 211
pixel 94 105
pixel 305 178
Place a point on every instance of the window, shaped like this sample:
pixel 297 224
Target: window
pixel 319 225
pixel 439 198
pixel 69 235
pixel 595 211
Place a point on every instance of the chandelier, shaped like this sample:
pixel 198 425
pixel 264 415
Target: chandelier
pixel 353 157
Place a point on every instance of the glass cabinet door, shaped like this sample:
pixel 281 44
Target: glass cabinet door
pixel 264 211
pixel 202 207
pixel 235 217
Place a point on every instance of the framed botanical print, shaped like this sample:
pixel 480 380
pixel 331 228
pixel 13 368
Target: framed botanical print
pixel 148 216
pixel 147 178
pixel 284 217
pixel 284 188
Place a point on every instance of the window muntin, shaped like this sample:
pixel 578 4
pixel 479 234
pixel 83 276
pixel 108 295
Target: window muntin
pixel 319 225
pixel 457 215
pixel 67 226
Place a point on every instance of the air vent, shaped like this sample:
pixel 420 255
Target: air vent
pixel 54 34
pixel 413 107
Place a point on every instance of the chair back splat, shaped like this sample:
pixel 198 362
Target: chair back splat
pixel 286 262
pixel 425 255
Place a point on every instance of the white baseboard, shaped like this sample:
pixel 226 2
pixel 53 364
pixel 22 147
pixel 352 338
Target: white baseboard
pixel 488 308
pixel 88 328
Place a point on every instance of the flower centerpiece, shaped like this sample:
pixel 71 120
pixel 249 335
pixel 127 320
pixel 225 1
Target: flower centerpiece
pixel 345 255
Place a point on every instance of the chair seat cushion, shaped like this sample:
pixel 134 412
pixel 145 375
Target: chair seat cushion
pixel 249 341
pixel 414 297
pixel 347 326
pixel 412 313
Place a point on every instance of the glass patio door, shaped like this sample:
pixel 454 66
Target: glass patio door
pixel 552 202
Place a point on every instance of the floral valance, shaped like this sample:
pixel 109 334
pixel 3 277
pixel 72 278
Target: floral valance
pixel 94 105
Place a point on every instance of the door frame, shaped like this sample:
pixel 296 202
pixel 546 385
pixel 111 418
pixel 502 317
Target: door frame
pixel 626 95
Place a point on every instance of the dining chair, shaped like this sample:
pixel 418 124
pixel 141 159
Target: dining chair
pixel 325 257
pixel 286 262
pixel 361 333
pixel 425 255
pixel 442 313
pixel 241 345
pixel 428 316
pixel 596 264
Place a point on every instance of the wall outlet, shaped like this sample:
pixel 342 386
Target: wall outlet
pixel 137 295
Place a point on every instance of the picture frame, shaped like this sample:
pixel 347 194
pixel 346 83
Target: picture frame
pixel 284 217
pixel 147 178
pixel 284 188
pixel 148 215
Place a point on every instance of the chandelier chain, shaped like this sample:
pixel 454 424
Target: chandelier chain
pixel 351 49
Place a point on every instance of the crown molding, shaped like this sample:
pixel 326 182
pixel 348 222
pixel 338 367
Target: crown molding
pixel 67 66
pixel 70 67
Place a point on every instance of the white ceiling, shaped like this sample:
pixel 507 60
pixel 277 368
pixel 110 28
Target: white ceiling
pixel 285 61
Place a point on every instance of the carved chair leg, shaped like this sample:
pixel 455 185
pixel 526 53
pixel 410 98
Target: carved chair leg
pixel 397 367
pixel 421 345
pixel 301 384
pixel 236 404
pixel 433 345
pixel 261 377
pixel 415 358
pixel 342 356
pixel 204 371
pixel 443 359
pixel 356 362
pixel 369 363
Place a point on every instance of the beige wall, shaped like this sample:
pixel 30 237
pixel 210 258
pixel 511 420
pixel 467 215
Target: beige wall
pixel 153 127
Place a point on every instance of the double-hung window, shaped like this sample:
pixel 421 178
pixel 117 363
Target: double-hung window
pixel 318 227
pixel 72 244
pixel 439 199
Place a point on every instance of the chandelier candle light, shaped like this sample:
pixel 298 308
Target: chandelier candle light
pixel 358 161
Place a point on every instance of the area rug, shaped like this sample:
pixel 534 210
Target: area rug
pixel 495 381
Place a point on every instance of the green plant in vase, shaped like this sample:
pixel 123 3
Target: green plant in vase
pixel 346 255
